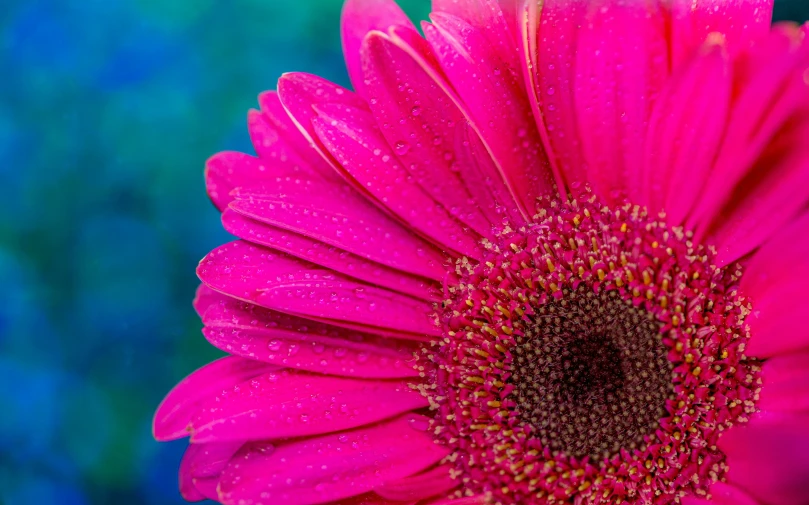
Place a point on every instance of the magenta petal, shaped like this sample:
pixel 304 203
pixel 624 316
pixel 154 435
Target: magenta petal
pixel 490 18
pixel 227 170
pixel 554 37
pixel 276 152
pixel 204 298
pixel 359 18
pixel 739 21
pixel 483 179
pixel 775 281
pixel 201 467
pixel 223 311
pixel 276 115
pixel 769 100
pixel 722 494
pixel 785 385
pixel 314 353
pixel 188 490
pixel 287 404
pixel 173 416
pixel 352 137
pixel 769 458
pixel 685 130
pixel 299 93
pixel 331 467
pixel 768 196
pixel 495 102
pixel 419 120
pixel 621 65
pixel 328 256
pixel 208 460
pixel 341 218
pixel 434 482
pixel 284 283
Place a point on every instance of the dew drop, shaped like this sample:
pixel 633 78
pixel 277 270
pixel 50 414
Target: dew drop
pixel 419 424
pixel 402 147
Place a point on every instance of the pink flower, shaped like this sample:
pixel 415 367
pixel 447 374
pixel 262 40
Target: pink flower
pixel 549 254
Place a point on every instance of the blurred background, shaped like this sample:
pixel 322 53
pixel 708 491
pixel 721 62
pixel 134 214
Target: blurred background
pixel 108 110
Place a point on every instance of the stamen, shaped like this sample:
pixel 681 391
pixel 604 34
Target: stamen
pixel 593 356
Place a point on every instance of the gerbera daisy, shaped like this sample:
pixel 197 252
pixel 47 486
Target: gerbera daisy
pixel 548 252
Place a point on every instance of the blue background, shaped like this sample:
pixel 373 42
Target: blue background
pixel 108 110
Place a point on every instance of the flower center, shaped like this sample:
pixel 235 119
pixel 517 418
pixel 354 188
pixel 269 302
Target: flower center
pixel 591 376
pixel 592 356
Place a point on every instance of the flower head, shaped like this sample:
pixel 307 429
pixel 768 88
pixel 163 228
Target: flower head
pixel 546 253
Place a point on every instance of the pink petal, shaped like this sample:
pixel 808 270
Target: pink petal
pixel 227 170
pixel 188 490
pixel 222 311
pixel 483 179
pixel 775 281
pixel 218 310
pixel 436 481
pixel 278 144
pixel 341 218
pixel 359 18
pixel 328 256
pixel 299 93
pixel 686 127
pixel 208 460
pixel 785 384
pixel 621 66
pixel 283 283
pixel 770 89
pixel 274 150
pixel 486 16
pixel 722 494
pixel 352 137
pixel 204 298
pixel 496 104
pixel 303 351
pixel 739 21
pixel 552 40
pixel 331 467
pixel 275 114
pixel 173 416
pixel 769 458
pixel 287 403
pixel 201 464
pixel 208 487
pixel 419 120
pixel 768 196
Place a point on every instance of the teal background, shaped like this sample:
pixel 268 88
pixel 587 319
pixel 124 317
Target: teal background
pixel 108 110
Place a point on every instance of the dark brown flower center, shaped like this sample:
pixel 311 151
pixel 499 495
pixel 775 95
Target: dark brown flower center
pixel 592 375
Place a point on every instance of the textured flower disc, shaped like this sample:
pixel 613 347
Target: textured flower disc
pixel 595 355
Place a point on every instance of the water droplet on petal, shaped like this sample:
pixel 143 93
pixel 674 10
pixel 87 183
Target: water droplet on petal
pixel 401 147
